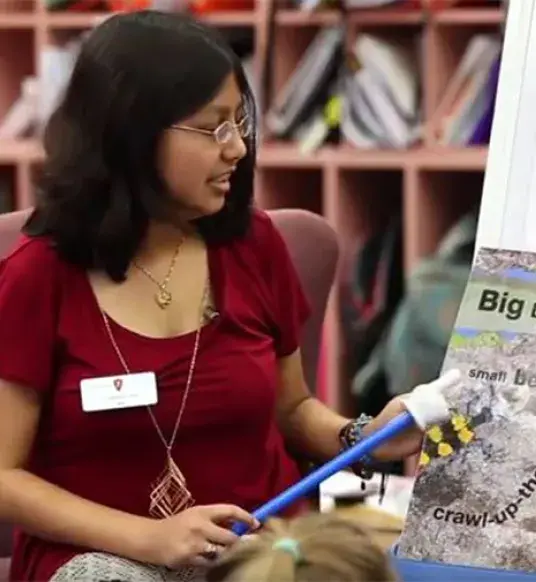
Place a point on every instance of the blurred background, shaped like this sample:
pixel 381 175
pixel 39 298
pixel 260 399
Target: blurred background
pixel 375 114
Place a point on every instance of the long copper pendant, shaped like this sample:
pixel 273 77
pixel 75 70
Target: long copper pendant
pixel 170 494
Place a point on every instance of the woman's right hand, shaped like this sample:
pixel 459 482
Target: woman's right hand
pixel 188 538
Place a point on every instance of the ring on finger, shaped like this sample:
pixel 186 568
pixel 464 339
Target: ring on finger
pixel 211 551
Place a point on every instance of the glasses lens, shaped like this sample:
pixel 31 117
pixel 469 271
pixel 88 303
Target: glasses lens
pixel 224 133
pixel 244 127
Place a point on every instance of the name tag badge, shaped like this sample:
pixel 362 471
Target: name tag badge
pixel 116 392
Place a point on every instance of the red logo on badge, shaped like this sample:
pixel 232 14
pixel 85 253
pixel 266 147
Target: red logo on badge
pixel 118 383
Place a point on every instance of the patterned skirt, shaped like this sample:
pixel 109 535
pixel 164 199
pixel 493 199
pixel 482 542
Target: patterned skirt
pixel 101 567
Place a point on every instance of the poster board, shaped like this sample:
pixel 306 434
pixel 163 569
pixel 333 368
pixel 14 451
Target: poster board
pixel 474 499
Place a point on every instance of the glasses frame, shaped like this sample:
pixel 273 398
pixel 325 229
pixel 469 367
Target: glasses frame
pixel 242 129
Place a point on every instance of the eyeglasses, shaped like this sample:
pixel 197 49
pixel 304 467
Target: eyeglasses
pixel 225 132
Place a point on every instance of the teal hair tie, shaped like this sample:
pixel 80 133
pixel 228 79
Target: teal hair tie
pixel 289 545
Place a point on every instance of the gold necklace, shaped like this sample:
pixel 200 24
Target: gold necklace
pixel 163 296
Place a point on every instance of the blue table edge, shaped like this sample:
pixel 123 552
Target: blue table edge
pixel 409 570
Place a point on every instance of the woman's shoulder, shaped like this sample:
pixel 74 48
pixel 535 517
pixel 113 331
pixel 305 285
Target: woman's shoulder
pixel 261 222
pixel 263 242
pixel 259 244
pixel 263 234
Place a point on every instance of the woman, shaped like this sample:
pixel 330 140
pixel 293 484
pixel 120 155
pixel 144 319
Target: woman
pixel 150 321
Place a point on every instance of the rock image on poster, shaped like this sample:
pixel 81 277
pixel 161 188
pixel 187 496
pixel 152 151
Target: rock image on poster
pixel 474 498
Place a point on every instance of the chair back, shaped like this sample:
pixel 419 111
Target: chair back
pixel 11 224
pixel 314 249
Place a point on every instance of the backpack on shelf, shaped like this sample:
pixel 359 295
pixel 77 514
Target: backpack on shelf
pixel 417 340
pixel 370 298
pixel 409 336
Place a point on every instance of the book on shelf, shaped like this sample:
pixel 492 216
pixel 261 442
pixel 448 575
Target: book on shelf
pixel 311 5
pixel 381 102
pixel 315 70
pixel 298 109
pixel 372 99
pixel 355 4
pixel 348 4
pixel 464 114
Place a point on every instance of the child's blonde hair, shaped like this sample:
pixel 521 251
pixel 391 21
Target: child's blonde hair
pixel 312 548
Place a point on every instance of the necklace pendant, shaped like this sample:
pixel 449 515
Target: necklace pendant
pixel 163 298
pixel 170 494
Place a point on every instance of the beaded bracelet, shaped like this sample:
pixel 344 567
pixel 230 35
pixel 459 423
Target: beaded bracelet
pixel 350 435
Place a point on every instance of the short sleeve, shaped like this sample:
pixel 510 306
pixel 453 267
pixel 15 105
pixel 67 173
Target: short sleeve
pixel 29 286
pixel 291 307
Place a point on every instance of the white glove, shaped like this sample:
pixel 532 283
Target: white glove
pixel 426 402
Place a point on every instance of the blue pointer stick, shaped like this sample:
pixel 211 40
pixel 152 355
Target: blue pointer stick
pixel 393 428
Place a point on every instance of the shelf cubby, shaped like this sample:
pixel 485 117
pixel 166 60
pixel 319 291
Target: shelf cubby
pixel 365 201
pixel 291 188
pixel 17 61
pixel 14 8
pixel 8 187
pixel 437 201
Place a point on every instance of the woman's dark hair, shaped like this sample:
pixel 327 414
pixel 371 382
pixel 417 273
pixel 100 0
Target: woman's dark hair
pixel 136 75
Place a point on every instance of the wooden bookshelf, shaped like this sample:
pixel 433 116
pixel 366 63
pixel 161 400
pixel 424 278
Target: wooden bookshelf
pixel 429 184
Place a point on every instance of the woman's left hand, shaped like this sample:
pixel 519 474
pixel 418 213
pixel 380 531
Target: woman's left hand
pixel 427 404
pixel 405 445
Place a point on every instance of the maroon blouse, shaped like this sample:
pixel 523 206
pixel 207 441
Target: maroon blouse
pixel 228 446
